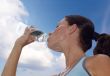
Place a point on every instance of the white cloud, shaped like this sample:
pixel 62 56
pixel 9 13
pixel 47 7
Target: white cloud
pixel 10 17
pixel 34 57
pixel 38 55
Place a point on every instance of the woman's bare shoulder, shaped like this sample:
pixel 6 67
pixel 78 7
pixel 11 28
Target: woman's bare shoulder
pixel 101 56
pixel 97 58
pixel 96 63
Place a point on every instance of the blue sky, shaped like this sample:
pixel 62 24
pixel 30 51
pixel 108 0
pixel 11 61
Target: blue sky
pixel 45 14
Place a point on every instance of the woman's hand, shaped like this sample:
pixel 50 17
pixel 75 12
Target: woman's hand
pixel 12 62
pixel 26 38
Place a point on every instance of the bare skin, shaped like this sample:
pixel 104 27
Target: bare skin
pixel 64 39
pixel 11 64
pixel 69 45
pixel 98 65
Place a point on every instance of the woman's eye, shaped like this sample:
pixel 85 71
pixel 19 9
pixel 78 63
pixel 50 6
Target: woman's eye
pixel 57 26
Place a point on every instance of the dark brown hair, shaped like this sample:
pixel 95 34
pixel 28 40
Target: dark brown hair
pixel 103 44
pixel 86 28
pixel 87 34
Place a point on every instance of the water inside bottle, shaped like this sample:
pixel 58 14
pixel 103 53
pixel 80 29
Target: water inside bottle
pixel 40 36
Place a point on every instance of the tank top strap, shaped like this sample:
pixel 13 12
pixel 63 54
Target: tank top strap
pixel 84 66
pixel 79 69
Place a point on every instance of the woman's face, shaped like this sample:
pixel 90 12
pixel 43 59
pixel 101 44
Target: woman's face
pixel 57 37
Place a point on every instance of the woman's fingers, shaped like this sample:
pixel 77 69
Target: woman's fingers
pixel 29 30
pixel 32 39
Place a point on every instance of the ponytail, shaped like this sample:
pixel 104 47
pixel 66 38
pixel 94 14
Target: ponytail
pixel 103 44
pixel 96 36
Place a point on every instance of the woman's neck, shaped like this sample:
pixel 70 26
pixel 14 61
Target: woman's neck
pixel 72 56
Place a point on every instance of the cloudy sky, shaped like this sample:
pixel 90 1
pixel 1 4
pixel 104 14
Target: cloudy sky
pixel 36 58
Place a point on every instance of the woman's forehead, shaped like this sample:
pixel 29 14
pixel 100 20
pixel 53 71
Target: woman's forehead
pixel 62 21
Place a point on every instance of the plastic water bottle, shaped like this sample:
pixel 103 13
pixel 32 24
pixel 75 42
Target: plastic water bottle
pixel 40 36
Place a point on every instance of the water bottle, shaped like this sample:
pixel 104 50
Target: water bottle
pixel 40 36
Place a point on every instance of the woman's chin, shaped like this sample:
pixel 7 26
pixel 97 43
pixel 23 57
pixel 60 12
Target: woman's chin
pixel 54 48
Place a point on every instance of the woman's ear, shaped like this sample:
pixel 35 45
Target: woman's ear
pixel 72 28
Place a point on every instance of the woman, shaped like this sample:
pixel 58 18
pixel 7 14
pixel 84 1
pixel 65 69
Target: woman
pixel 73 36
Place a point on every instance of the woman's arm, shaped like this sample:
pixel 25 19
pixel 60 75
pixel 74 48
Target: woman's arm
pixel 11 64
